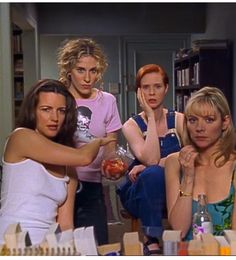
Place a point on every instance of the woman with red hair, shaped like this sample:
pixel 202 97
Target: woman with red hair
pixel 151 135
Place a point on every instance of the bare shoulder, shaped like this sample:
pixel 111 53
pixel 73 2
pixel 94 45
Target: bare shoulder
pixel 180 123
pixel 173 157
pixel 179 116
pixel 172 166
pixel 130 121
pixel 129 124
pixel 21 134
pixel 18 141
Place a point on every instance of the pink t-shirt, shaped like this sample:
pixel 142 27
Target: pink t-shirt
pixel 96 118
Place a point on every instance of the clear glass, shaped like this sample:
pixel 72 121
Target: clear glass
pixel 115 165
pixel 202 222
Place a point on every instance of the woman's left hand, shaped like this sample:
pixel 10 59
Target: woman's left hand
pixel 133 174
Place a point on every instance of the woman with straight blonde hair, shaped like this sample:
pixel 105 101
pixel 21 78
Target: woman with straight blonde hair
pixel 205 165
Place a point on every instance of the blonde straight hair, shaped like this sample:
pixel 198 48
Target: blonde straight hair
pixel 216 99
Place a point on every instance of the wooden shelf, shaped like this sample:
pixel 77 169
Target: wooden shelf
pixel 208 66
pixel 18 68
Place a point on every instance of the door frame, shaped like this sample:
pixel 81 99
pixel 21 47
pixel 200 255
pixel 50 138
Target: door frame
pixel 130 45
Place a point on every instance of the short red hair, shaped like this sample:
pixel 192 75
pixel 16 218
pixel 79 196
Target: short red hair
pixel 148 69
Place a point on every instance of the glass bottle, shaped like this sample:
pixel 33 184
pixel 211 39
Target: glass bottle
pixel 202 222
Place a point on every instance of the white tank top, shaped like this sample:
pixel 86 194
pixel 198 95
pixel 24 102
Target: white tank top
pixel 30 195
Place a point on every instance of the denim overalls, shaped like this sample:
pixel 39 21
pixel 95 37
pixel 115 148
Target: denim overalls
pixel 145 198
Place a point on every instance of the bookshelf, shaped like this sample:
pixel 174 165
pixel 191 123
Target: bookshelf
pixel 208 62
pixel 18 68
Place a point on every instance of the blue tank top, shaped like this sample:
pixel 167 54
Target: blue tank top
pixel 169 143
pixel 221 213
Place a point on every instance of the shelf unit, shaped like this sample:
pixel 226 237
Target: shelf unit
pixel 18 68
pixel 201 66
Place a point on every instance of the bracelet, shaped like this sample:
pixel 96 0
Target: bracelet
pixel 184 194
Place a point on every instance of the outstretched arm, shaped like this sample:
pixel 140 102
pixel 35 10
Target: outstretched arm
pixel 26 143
pixel 111 147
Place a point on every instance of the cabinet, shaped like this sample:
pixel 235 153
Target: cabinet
pixel 207 63
pixel 18 68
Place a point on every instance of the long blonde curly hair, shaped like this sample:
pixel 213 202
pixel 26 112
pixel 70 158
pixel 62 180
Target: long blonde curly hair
pixel 72 50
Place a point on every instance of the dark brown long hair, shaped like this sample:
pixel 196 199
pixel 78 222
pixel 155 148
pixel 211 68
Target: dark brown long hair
pixel 27 114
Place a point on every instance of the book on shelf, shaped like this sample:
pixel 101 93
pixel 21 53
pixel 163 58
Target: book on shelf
pixel 179 102
pixel 179 77
pixel 18 67
pixel 196 73
pixel 185 100
pixel 17 44
pixel 182 77
pixel 19 90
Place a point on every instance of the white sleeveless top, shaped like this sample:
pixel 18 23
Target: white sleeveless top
pixel 30 195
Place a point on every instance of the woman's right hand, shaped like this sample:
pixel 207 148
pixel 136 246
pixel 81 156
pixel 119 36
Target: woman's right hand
pixel 187 157
pixel 106 140
pixel 143 103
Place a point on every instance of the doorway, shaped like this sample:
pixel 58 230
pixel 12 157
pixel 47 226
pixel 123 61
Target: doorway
pixel 138 52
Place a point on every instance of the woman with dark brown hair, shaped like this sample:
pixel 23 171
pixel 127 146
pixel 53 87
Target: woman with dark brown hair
pixel 38 186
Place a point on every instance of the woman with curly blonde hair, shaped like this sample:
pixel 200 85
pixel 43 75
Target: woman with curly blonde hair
pixel 72 51
pixel 82 64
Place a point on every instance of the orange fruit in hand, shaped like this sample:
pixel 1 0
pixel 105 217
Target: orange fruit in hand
pixel 114 167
